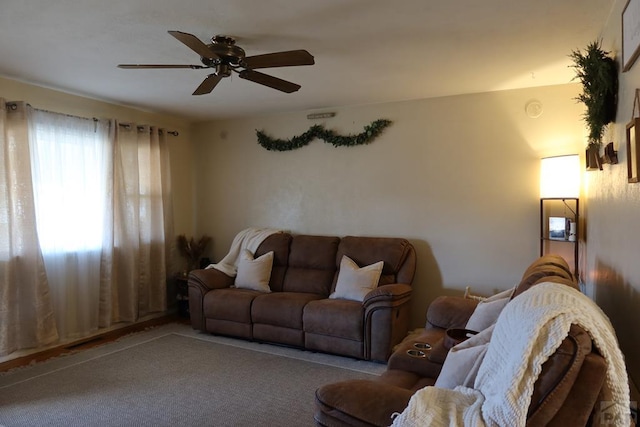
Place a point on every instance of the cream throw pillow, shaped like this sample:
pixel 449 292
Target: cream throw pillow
pixel 463 361
pixel 254 273
pixel 488 310
pixel 355 283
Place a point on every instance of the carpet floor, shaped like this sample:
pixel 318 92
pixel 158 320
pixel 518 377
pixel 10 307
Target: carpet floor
pixel 174 376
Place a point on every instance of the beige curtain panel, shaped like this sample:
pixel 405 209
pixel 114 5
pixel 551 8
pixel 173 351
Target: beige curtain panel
pixel 85 225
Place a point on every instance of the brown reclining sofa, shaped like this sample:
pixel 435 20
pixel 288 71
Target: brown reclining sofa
pixel 297 312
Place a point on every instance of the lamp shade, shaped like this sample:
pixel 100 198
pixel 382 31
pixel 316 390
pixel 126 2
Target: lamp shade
pixel 560 177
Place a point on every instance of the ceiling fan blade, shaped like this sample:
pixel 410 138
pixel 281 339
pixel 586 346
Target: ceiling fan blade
pixel 208 84
pixel 289 58
pixel 148 66
pixel 195 44
pixel 272 82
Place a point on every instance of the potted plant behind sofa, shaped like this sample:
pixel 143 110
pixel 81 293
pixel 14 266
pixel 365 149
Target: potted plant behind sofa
pixel 598 74
pixel 192 250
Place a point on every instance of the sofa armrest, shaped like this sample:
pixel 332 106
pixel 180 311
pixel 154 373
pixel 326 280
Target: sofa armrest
pixel 208 279
pixel 200 282
pixel 386 319
pixel 450 312
pixel 396 292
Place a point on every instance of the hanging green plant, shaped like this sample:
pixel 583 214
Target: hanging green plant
pixel 598 74
pixel 371 132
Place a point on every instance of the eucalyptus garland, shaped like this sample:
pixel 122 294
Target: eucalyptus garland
pixel 371 132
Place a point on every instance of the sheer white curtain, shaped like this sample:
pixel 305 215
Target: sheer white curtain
pixel 95 197
pixel 71 158
pixel 26 314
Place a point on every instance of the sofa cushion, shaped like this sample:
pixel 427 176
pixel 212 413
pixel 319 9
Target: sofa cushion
pixel 547 266
pixel 254 273
pixel 359 403
pixel 335 318
pixel 278 243
pixel 406 380
pixel 311 264
pixel 229 304
pixel 549 260
pixel 281 308
pixel 354 282
pixel 535 275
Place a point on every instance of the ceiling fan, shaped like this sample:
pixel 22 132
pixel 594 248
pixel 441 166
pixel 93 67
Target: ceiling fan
pixel 224 57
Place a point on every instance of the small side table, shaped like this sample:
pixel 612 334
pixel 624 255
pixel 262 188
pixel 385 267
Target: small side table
pixel 182 295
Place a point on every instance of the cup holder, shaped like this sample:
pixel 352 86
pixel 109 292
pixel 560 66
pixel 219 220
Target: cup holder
pixel 417 353
pixel 422 346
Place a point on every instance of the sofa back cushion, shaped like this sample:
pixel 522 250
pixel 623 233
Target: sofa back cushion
pixel 398 256
pixel 548 267
pixel 312 264
pixel 278 243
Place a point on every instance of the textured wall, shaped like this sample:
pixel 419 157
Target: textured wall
pixel 458 176
pixel 612 218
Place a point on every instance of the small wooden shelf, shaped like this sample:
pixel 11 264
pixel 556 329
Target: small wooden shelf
pixel 569 209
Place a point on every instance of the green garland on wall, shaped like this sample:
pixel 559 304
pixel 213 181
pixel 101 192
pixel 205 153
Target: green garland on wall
pixel 370 133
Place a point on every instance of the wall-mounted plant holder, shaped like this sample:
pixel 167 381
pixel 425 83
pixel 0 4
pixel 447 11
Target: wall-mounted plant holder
pixel 610 155
pixel 633 150
pixel 592 158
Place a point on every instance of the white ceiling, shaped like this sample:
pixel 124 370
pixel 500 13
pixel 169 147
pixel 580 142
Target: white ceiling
pixel 366 51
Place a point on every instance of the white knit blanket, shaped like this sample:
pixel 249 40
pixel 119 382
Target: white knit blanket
pixel 442 407
pixel 528 331
pixel 250 239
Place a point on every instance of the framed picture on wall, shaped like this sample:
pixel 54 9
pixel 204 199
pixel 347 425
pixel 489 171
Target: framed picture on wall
pixel 633 150
pixel 630 34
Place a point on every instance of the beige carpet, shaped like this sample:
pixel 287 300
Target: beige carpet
pixel 173 376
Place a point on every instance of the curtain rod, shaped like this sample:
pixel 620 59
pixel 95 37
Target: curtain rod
pixel 141 128
pixel 13 105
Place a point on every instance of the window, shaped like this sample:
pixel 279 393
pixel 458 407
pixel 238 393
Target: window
pixel 70 161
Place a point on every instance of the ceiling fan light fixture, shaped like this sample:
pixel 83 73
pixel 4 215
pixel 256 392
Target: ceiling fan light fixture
pixel 223 70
